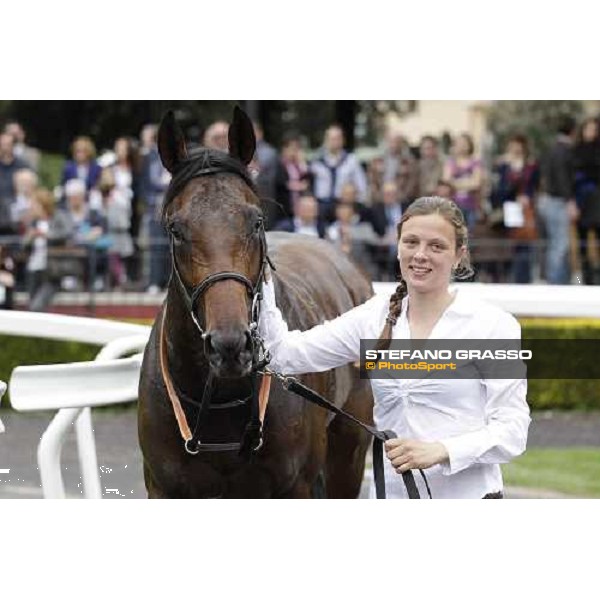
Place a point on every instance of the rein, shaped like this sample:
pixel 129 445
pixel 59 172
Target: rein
pixel 379 437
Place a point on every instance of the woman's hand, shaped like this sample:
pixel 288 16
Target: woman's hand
pixel 413 454
pixel 267 273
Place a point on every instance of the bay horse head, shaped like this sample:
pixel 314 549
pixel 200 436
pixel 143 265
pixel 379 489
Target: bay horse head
pixel 216 232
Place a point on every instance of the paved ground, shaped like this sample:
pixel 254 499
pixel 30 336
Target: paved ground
pixel 119 457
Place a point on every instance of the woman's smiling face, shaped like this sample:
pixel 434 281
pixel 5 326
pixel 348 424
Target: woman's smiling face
pixel 427 252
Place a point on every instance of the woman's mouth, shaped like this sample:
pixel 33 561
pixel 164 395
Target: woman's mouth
pixel 419 270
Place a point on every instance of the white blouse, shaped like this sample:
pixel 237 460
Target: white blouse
pixel 482 423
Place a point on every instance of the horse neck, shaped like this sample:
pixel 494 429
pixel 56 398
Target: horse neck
pixel 185 346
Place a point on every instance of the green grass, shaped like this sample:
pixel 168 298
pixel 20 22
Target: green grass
pixel 573 471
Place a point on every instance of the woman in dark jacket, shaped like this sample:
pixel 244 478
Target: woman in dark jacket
pixel 587 195
pixel 517 179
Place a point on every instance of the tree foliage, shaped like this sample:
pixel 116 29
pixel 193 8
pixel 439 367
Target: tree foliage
pixel 537 119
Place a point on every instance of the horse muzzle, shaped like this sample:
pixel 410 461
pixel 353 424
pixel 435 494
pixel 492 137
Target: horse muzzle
pixel 229 353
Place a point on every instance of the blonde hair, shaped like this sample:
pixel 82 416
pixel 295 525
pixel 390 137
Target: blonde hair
pixel 85 141
pixel 428 205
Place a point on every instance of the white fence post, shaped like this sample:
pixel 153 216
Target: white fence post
pixel 49 451
pixel 2 390
pixel 88 459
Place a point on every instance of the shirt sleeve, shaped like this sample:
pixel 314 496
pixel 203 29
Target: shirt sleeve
pixel 506 414
pixel 326 346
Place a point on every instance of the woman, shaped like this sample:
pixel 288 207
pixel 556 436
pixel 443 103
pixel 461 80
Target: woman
pixel 118 185
pixel 84 165
pixel 293 177
pixel 587 195
pixel 459 430
pixel 464 172
pixel 517 180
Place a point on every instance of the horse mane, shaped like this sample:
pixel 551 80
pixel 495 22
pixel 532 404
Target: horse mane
pixel 200 163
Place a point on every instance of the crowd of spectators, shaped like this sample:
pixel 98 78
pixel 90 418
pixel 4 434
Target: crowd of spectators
pixel 529 217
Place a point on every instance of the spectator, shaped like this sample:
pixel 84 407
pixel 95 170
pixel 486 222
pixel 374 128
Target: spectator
pixel 25 183
pixel 87 224
pixel 587 196
pixel 387 213
pixel 123 177
pixel 9 165
pixel 215 136
pixel 333 168
pixel 84 167
pixel 386 216
pixel 58 267
pixel 517 179
pixel 400 166
pixel 148 138
pixel 445 189
pixel 352 236
pixel 116 203
pixel 154 180
pixel 89 230
pixel 464 171
pixel 265 162
pixel 375 170
pixel 349 195
pixel 557 207
pixel 293 176
pixel 31 156
pixel 7 279
pixel 36 239
pixel 430 166
pixel 306 218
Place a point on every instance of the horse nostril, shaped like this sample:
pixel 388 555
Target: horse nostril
pixel 228 346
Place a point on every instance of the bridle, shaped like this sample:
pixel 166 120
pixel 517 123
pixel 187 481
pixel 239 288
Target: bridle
pixel 191 298
pixel 252 438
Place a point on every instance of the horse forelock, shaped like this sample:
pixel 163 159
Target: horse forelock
pixel 204 162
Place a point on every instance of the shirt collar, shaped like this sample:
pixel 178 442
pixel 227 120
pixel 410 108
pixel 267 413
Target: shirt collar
pixel 459 306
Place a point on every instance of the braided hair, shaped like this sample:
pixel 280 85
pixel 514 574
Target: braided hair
pixel 427 205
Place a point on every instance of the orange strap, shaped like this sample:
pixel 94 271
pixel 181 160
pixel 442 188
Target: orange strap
pixel 184 428
pixel 263 396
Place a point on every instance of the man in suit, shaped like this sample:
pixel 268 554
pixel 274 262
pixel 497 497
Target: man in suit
pixel 305 220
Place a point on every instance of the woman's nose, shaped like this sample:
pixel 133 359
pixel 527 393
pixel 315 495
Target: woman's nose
pixel 420 253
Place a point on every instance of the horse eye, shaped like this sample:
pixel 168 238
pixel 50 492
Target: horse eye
pixel 258 224
pixel 176 233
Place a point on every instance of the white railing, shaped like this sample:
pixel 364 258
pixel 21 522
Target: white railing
pixel 530 300
pixel 73 388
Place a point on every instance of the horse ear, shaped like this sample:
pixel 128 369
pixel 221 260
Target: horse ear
pixel 171 142
pixel 242 142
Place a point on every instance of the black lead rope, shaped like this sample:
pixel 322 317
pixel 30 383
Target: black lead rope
pixel 379 438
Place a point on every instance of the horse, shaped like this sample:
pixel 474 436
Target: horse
pixel 203 341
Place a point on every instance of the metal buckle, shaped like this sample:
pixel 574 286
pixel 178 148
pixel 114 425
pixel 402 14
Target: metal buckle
pixel 189 450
